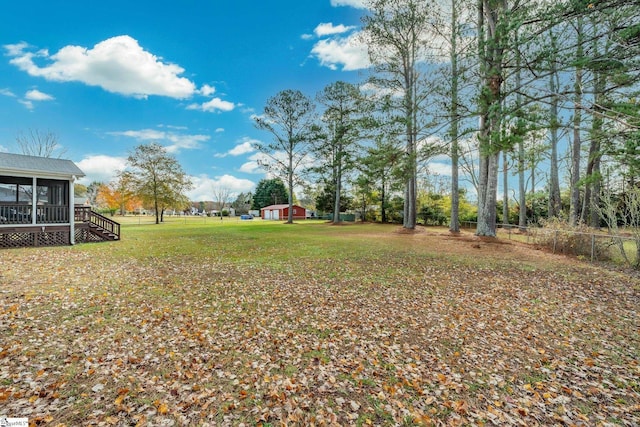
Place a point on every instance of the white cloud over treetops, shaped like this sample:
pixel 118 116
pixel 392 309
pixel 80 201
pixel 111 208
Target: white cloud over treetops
pixel 173 141
pixel 253 164
pixel 245 147
pixel 100 168
pixel 347 52
pixel 118 64
pixel 203 186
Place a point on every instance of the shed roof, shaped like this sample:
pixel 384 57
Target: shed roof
pixel 38 165
pixel 283 206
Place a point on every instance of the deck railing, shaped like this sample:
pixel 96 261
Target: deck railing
pixel 85 214
pixel 21 213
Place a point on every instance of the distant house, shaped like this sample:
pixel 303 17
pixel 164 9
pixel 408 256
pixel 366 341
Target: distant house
pixel 37 205
pixel 281 212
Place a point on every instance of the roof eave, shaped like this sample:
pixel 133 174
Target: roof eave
pixel 41 174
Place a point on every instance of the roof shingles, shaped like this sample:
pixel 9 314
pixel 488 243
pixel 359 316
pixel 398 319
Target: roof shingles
pixel 32 164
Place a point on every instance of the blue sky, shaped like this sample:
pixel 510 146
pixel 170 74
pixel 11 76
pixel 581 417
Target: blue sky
pixel 105 77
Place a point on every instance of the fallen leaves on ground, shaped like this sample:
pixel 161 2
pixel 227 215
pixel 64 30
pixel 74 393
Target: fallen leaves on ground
pixel 407 340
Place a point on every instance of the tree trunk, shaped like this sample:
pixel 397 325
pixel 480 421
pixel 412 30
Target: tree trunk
pixel 533 189
pixel 574 211
pixel 505 188
pixel 487 196
pixel 454 225
pixel 491 53
pixel 596 148
pixel 338 185
pixel 290 182
pixel 410 207
pixel 383 200
pixel 522 188
pixel 155 205
pixel 593 186
pixel 555 205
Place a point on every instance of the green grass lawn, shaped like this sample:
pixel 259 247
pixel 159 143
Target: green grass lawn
pixel 199 321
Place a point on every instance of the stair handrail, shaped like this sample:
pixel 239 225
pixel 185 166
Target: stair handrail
pixel 86 214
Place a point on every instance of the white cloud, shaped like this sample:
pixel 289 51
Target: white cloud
pixel 377 91
pixel 438 168
pixel 253 165
pixel 327 29
pixel 118 64
pixel 212 106
pixel 307 37
pixel 36 95
pixel 185 142
pixel 3 149
pixel 348 52
pixel 219 130
pixel 258 159
pixel 7 92
pixel 100 168
pixel 244 147
pixel 16 49
pixel 203 186
pixel 207 90
pixel 142 135
pixel 28 104
pixel 173 127
pixel 358 4
pixel 174 142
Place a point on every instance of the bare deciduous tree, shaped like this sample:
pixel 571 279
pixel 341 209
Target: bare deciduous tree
pixel 40 144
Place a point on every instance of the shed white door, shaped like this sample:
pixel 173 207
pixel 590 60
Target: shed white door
pixel 275 214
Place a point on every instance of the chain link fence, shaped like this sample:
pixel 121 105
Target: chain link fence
pixel 592 246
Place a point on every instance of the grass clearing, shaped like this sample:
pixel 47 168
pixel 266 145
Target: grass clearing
pixel 206 322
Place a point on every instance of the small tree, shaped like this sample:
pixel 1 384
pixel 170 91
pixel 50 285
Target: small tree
pixel 221 197
pixel 92 192
pixel 337 148
pixel 242 204
pixel 289 118
pixel 157 178
pixel 622 214
pixel 107 199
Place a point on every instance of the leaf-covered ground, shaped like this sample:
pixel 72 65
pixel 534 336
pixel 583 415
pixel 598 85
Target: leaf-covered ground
pixel 314 325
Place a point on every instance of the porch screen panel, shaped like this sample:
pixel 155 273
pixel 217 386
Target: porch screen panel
pixel 53 205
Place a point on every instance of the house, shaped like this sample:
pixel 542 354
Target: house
pixel 281 212
pixel 37 205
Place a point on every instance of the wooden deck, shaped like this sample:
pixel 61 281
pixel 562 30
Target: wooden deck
pixel 89 226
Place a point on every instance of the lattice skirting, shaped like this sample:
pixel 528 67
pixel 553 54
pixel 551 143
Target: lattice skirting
pixel 18 239
pixel 83 235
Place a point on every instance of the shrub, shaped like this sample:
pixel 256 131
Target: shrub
pixel 560 237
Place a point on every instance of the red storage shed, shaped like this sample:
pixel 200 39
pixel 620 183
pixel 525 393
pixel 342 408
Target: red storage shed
pixel 281 212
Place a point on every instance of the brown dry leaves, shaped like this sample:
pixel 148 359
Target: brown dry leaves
pixel 411 339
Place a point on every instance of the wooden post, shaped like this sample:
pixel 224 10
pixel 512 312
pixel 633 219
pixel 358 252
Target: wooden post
pixel 72 212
